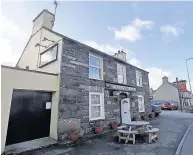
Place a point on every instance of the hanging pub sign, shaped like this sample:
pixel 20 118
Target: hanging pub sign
pixel 182 86
pixel 119 87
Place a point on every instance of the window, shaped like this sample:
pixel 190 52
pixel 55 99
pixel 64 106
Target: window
pixel 141 103
pixel 121 73
pixel 139 79
pixel 49 55
pixel 95 67
pixel 96 106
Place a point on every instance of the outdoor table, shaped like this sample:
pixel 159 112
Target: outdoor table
pixel 137 124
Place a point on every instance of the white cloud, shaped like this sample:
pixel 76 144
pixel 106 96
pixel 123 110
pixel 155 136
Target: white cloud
pixel 135 62
pixel 132 32
pixel 128 32
pixel 147 24
pixel 13 40
pixel 103 47
pixel 156 74
pixel 111 50
pixel 8 57
pixel 171 30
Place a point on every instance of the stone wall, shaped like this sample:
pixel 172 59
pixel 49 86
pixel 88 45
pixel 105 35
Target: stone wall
pixel 75 86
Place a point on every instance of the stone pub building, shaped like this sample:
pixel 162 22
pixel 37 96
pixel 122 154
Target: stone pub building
pixel 72 82
pixel 93 84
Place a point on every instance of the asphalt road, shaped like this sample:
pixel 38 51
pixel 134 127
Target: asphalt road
pixel 172 125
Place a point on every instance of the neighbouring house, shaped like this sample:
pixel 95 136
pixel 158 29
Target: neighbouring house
pixel 58 81
pixel 169 92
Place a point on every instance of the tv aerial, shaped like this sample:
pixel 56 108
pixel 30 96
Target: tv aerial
pixel 56 5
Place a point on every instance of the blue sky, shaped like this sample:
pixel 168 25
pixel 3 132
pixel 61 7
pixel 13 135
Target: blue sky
pixel 158 36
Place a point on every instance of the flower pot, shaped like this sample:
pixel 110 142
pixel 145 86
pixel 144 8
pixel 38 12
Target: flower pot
pixel 73 136
pixel 114 125
pixel 98 130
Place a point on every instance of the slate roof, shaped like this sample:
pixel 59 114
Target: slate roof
pixel 174 85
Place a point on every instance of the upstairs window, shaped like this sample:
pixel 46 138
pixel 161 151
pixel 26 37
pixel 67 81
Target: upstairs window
pixel 139 79
pixel 95 69
pixel 48 56
pixel 121 73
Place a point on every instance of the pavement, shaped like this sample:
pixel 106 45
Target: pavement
pixel 186 147
pixel 172 125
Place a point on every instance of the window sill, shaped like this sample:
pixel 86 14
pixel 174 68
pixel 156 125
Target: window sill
pixel 47 63
pixel 124 83
pixel 95 78
pixel 96 119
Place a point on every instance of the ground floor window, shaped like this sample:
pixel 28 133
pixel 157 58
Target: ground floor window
pixel 141 103
pixel 96 106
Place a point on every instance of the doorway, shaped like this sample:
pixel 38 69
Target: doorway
pixel 29 117
pixel 125 111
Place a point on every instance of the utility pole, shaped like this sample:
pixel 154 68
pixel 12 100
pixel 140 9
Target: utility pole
pixel 188 73
pixel 179 94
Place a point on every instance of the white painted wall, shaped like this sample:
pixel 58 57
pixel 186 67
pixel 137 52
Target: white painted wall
pixel 12 78
pixel 30 56
pixel 166 92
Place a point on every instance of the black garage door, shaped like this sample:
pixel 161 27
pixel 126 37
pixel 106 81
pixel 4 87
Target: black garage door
pixel 29 118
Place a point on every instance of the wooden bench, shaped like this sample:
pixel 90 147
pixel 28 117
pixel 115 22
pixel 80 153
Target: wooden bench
pixel 149 127
pixel 152 133
pixel 127 135
pixel 121 127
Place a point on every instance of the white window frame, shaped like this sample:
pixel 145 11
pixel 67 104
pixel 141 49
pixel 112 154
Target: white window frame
pixel 101 67
pixel 143 104
pixel 45 52
pixel 102 109
pixel 139 79
pixel 123 74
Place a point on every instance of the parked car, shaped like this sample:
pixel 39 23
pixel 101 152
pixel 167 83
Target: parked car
pixel 156 108
pixel 166 106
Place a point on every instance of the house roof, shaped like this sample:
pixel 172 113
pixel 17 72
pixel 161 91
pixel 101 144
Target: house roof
pixel 180 81
pixel 67 38
pixel 98 51
pixel 174 85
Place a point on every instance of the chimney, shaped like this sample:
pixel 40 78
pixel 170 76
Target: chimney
pixel 121 55
pixel 44 19
pixel 165 79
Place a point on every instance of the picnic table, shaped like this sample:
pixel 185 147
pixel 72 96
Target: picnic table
pixel 138 123
pixel 129 130
pixel 134 124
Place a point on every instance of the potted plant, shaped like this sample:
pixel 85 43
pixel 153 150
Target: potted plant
pixel 114 125
pixel 72 134
pixel 98 128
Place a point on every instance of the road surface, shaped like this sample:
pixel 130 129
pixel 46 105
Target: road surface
pixel 172 125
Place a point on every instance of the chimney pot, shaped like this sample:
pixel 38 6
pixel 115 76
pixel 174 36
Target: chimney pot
pixel 44 19
pixel 165 79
